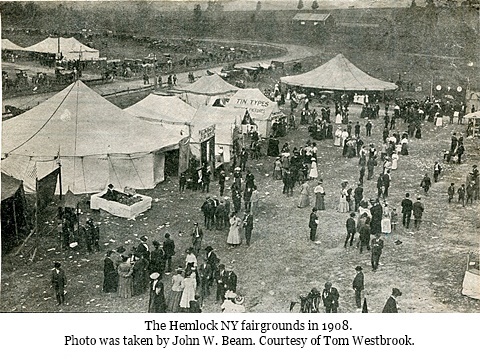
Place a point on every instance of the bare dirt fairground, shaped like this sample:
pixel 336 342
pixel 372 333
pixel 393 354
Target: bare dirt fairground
pixel 282 263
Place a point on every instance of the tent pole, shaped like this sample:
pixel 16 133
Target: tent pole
pixel 15 221
pixel 60 180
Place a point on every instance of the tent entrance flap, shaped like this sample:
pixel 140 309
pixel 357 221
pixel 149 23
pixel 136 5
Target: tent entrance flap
pixel 171 162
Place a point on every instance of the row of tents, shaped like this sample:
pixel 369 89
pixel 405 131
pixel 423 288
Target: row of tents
pixel 98 143
pixel 70 48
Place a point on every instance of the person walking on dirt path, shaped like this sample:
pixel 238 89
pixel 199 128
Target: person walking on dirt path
pixel 59 282
pixel 451 192
pixel 169 249
pixel 418 210
pixel 377 248
pixel 358 286
pixel 351 229
pixel 461 194
pixel 313 224
pixel 407 207
pixel 426 183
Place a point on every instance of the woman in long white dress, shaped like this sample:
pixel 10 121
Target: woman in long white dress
pixel 234 232
pixel 394 161
pixel 343 206
pixel 338 136
pixel 189 288
pixel 386 220
pixel 313 174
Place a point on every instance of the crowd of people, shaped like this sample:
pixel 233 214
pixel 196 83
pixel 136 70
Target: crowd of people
pixel 370 218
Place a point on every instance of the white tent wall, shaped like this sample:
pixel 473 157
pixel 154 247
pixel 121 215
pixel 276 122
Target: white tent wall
pixel 159 167
pixel 135 171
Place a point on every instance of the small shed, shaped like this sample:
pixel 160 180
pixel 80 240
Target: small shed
pixel 312 20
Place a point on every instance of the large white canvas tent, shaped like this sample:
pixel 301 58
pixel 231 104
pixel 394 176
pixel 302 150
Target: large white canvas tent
pixel 338 74
pixel 226 120
pixel 169 109
pixel 206 90
pixel 70 48
pixel 10 46
pixel 260 108
pixel 96 142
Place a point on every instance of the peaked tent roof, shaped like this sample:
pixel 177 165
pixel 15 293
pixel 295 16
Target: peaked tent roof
pixel 224 119
pixel 167 108
pixel 68 45
pixel 338 74
pixel 8 45
pixel 473 115
pixel 210 85
pixel 10 186
pixel 79 122
pixel 257 104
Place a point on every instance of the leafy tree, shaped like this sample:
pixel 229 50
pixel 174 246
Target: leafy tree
pixel 300 5
pixel 414 4
pixel 315 5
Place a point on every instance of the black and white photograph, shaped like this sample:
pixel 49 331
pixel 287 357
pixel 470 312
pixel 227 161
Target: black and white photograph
pixel 240 156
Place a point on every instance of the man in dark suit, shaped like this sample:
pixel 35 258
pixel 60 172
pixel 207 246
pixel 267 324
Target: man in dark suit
pixel 248 225
pixel 377 247
pixel 386 183
pixel 358 286
pixel 220 279
pixel 351 229
pixel 142 249
pixel 230 279
pixel 59 282
pixel 418 210
pixel 157 260
pixel 169 250
pixel 358 196
pixel 407 207
pixel 313 224
pixel 212 261
pixel 391 304
pixel 197 236
pixel 330 298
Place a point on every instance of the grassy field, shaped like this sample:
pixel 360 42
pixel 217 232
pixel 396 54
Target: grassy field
pixel 281 263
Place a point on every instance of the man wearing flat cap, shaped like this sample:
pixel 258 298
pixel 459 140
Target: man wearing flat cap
pixel 391 304
pixel 358 286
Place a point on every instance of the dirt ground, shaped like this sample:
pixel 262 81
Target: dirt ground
pixel 282 263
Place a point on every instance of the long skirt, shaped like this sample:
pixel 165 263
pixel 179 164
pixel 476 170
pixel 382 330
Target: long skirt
pixel 386 225
pixel 174 301
pixel 304 201
pixel 320 201
pixel 125 287
pixel 234 235
pixel 343 206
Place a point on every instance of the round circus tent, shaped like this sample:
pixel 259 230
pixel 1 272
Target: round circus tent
pixel 338 74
